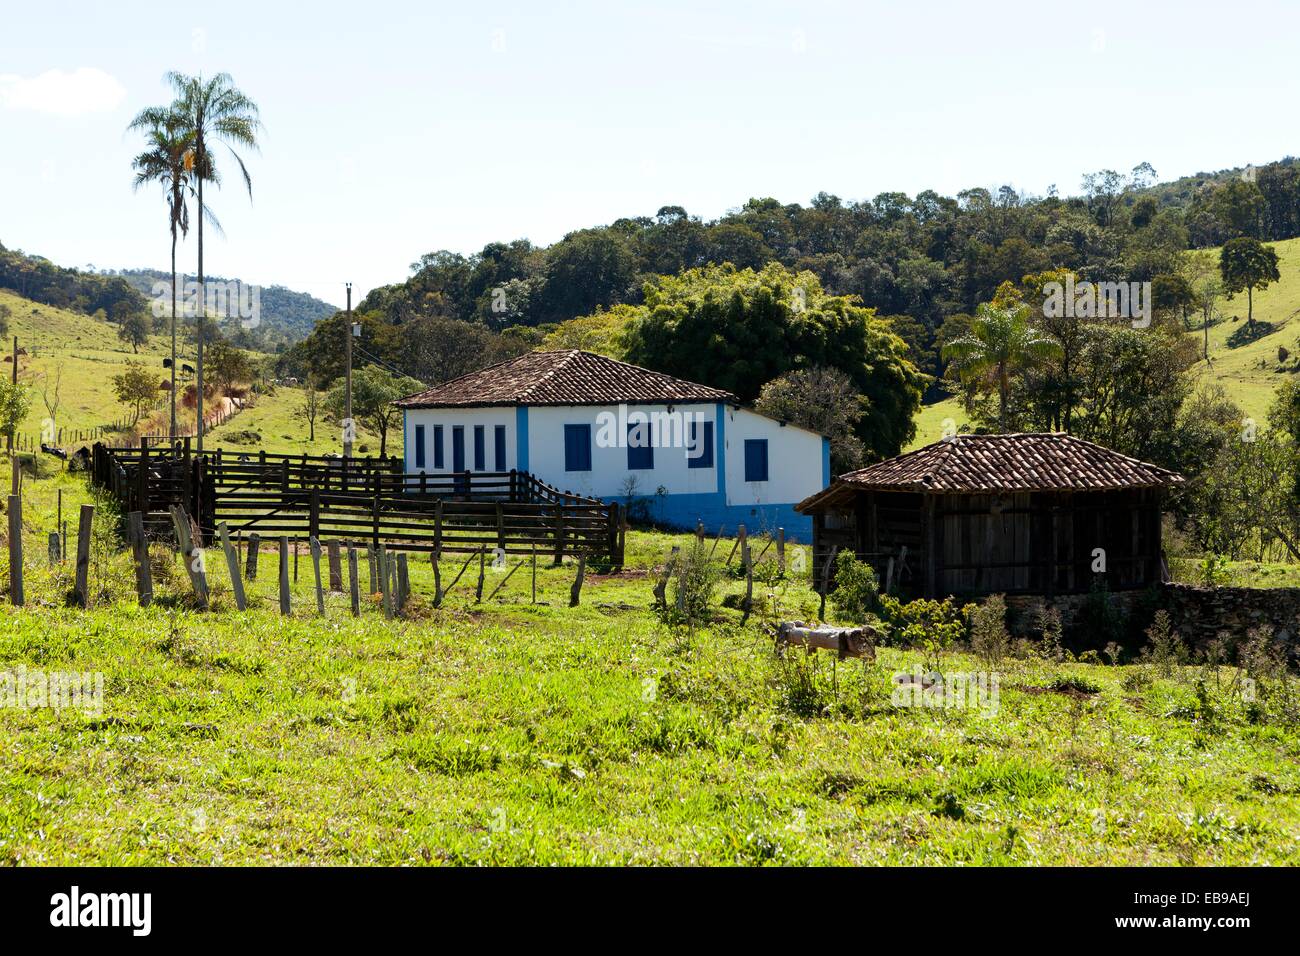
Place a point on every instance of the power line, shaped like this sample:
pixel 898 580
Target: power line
pixel 380 362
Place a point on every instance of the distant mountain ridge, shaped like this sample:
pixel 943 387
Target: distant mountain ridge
pixel 286 314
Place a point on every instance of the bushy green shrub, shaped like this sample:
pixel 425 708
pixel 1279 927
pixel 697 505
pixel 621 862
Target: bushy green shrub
pixel 695 578
pixel 988 629
pixel 925 621
pixel 857 591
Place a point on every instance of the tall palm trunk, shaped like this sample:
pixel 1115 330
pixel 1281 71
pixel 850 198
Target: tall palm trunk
pixel 172 434
pixel 203 298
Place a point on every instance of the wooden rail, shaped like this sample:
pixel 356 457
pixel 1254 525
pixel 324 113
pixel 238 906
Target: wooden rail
pixel 357 500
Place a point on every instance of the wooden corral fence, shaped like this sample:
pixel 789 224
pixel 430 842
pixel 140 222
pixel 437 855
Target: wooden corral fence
pixel 357 500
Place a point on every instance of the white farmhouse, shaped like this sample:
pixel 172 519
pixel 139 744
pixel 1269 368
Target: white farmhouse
pixel 588 424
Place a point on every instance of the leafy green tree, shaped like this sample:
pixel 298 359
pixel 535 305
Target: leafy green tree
pixel 1001 343
pixel 374 390
pixel 736 329
pixel 1247 264
pixel 822 400
pixel 135 385
pixel 228 366
pixel 15 401
pixel 213 111
pixel 135 329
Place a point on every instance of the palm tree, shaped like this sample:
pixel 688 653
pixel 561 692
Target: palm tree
pixel 163 162
pixel 1000 343
pixel 215 111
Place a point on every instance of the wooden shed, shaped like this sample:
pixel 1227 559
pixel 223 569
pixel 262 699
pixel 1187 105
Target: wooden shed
pixel 986 514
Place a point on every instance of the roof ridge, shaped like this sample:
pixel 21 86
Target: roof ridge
pixel 568 356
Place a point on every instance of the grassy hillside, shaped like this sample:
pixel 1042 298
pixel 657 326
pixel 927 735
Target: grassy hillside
pixel 1249 369
pixel 89 353
pixel 508 732
pixel 1251 372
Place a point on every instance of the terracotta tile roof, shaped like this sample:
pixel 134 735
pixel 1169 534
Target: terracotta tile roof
pixel 567 377
pixel 975 464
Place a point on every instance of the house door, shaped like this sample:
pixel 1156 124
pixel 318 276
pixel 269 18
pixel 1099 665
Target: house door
pixel 458 457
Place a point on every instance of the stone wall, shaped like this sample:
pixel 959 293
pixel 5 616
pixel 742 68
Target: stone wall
pixel 1198 614
pixel 1201 614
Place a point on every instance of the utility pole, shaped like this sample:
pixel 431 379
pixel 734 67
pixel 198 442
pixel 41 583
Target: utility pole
pixel 13 455
pixel 349 427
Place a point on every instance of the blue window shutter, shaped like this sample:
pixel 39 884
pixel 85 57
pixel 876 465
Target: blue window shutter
pixel 419 446
pixel 437 446
pixel 577 448
pixel 756 459
pixel 457 447
pixel 640 453
pixel 700 452
pixel 499 441
pixel 480 452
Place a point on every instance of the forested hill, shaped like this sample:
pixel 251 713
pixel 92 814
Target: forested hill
pixel 288 316
pixel 926 257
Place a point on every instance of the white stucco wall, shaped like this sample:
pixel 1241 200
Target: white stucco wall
pixel 447 417
pixel 609 472
pixel 794 460
pixel 795 455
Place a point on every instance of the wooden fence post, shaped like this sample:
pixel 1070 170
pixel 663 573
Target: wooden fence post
pixel 661 587
pixel 829 559
pixel 748 562
pixel 314 546
pixel 193 555
pixel 353 587
pixel 336 566
pixel 55 548
pixel 82 587
pixel 284 574
pixel 403 582
pixel 140 554
pixel 780 550
pixel 372 565
pixel 575 592
pixel 534 574
pixel 435 558
pixel 16 548
pixel 232 565
pixel 478 591
pixel 250 563
pixel 384 589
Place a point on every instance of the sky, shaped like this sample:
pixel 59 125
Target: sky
pixel 396 129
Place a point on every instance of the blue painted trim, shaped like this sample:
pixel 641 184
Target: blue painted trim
pixel 826 462
pixel 683 511
pixel 521 437
pixel 720 416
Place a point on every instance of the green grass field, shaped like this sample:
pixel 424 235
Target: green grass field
pixel 508 732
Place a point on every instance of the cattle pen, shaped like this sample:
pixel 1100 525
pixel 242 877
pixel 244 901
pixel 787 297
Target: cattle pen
pixel 362 500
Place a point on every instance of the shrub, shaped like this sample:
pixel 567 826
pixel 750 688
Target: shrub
pixel 989 638
pixel 695 579
pixel 857 592
pixel 1165 650
pixel 925 622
